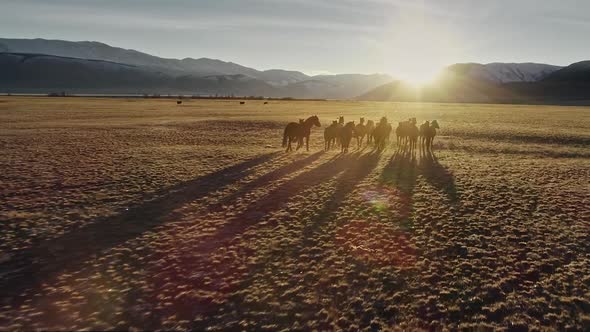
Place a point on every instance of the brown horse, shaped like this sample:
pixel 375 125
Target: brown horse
pixel 369 130
pixel 298 131
pixel 407 134
pixel 381 133
pixel 331 133
pixel 359 132
pixel 427 133
pixel 346 136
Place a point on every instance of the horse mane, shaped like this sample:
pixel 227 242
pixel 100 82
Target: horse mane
pixel 311 118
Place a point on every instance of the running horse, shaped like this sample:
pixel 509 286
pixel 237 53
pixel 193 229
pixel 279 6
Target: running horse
pixel 298 131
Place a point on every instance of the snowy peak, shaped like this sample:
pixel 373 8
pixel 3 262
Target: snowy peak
pixel 99 51
pixel 504 72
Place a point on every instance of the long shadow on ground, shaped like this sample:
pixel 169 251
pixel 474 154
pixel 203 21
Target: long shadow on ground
pixel 32 267
pixel 438 175
pixel 401 173
pixel 275 200
pixel 349 170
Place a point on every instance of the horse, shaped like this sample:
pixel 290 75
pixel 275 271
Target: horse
pixel 429 134
pixel 298 131
pixel 423 133
pixel 413 133
pixel 346 136
pixel 381 133
pixel 369 127
pixel 388 130
pixel 360 132
pixel 330 134
pixel 340 126
pixel 407 133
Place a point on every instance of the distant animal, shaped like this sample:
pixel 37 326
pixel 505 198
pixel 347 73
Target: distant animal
pixel 178 102
pixel 360 132
pixel 242 102
pixel 330 134
pixel 266 102
pixel 346 136
pixel 369 127
pixel 428 133
pixel 299 131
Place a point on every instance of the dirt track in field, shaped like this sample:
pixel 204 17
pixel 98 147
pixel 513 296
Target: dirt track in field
pixel 118 214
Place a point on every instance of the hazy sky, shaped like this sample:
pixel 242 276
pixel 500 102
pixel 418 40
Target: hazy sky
pixel 401 37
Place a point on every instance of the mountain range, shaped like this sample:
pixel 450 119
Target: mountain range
pixel 42 66
pixel 476 84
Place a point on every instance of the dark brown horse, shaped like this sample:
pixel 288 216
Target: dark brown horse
pixel 298 131
pixel 427 133
pixel 346 136
pixel 331 133
pixel 381 133
pixel 369 130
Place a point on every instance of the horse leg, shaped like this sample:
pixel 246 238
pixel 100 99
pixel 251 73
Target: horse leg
pixel 307 143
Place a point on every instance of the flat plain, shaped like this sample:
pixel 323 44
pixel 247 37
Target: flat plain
pixel 144 214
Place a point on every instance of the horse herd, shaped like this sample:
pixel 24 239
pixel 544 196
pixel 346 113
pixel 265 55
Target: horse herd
pixel 407 133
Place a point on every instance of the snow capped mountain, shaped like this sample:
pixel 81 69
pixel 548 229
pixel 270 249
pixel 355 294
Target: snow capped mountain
pixel 100 51
pixel 44 65
pixel 273 82
pixel 504 72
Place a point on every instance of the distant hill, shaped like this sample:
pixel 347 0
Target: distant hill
pixel 43 66
pixel 287 83
pixel 448 89
pixel 465 83
pixel 576 72
pixel 100 51
pixel 335 86
pixel 21 72
pixel 504 72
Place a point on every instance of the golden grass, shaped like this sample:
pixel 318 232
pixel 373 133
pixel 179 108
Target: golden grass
pixel 121 213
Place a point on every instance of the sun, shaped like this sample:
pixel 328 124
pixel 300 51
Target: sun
pixel 417 48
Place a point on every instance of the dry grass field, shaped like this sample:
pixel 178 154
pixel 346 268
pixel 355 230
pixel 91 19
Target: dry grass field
pixel 137 213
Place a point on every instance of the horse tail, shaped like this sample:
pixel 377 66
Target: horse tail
pixel 285 138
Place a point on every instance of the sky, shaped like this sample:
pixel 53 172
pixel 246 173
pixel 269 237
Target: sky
pixel 407 39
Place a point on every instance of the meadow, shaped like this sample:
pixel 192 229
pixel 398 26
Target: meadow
pixel 145 214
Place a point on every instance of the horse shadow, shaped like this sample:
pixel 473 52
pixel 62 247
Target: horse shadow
pixel 277 199
pixel 272 176
pixel 359 167
pixel 401 173
pixel 31 267
pixel 438 175
pixel 348 170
